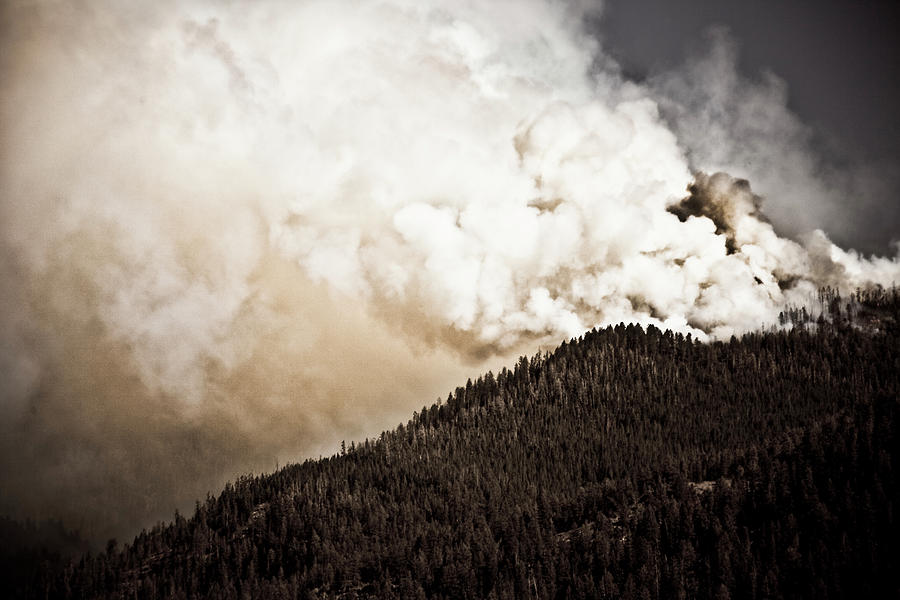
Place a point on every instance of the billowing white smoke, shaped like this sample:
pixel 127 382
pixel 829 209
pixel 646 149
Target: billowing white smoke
pixel 239 231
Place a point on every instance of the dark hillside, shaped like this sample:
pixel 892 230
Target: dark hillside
pixel 26 548
pixel 627 464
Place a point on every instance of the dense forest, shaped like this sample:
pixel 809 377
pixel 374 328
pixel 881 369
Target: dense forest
pixel 31 545
pixel 624 464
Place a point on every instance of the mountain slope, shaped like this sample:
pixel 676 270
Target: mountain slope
pixel 625 464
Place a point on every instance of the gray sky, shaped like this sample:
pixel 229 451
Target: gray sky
pixel 839 58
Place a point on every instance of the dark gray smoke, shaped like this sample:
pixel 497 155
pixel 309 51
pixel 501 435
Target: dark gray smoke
pixel 742 125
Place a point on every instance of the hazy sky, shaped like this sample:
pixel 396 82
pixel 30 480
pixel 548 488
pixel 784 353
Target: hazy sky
pixel 235 233
pixel 839 58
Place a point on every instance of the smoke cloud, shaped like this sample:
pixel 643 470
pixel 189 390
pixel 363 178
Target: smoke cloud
pixel 236 233
pixel 742 125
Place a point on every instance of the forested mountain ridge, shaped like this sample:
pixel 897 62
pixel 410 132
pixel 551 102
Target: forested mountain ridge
pixel 625 464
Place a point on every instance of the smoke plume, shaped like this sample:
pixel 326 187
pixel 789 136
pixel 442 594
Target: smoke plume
pixel 236 233
pixel 728 121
